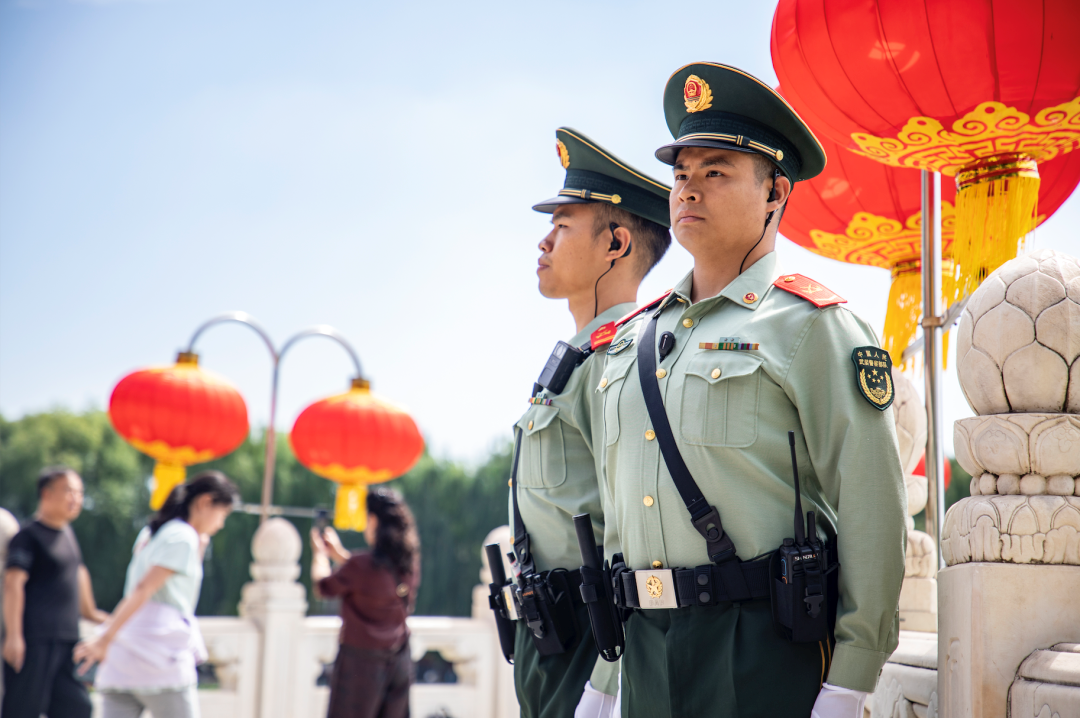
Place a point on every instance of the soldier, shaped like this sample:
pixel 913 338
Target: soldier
pixel 731 612
pixel 610 227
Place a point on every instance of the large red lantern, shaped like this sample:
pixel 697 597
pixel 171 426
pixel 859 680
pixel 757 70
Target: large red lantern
pixel 178 415
pixel 982 90
pixel 355 439
pixel 865 212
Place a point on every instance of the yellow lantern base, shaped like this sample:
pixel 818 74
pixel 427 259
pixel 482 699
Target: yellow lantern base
pixel 350 507
pixel 166 478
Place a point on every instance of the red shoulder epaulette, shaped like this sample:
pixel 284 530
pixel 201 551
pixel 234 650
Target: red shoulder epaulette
pixel 643 308
pixel 602 336
pixel 813 292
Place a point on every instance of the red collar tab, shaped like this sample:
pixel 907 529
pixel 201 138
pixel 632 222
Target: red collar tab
pixel 813 292
pixel 644 308
pixel 602 336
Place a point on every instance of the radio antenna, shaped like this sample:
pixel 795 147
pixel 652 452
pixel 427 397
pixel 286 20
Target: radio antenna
pixel 800 533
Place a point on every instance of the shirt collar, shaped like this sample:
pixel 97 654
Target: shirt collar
pixel 608 315
pixel 754 281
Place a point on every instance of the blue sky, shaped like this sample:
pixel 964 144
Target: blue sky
pixel 366 166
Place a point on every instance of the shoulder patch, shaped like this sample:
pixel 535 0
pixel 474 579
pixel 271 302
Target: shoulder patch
pixel 602 336
pixel 813 292
pixel 644 308
pixel 873 376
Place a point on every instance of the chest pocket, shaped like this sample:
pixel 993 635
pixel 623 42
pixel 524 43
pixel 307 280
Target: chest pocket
pixel 611 384
pixel 543 450
pixel 720 398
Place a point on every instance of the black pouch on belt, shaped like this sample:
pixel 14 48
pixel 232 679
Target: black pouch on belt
pixel 804 578
pixel 546 605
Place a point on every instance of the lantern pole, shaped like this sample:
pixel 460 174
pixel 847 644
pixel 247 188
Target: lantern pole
pixel 321 330
pixel 932 330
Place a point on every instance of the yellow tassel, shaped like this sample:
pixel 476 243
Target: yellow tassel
pixel 166 478
pixel 905 306
pixel 996 207
pixel 350 507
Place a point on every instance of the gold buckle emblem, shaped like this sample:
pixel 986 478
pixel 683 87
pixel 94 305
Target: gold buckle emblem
pixel 655 588
pixel 696 94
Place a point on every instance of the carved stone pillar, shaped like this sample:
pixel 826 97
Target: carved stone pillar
pixel 918 594
pixel 276 603
pixel 1013 547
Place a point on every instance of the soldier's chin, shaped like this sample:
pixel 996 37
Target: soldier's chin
pixel 547 288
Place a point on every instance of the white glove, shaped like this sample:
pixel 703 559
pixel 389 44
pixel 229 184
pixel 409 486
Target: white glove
pixel 594 704
pixel 836 702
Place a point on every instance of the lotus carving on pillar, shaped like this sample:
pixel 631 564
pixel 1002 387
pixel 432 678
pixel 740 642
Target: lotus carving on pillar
pixel 1018 356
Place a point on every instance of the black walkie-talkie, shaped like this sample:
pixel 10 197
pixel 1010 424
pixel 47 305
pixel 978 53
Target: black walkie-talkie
pixel 800 598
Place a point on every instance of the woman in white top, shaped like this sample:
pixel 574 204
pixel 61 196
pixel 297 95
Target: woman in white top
pixel 149 648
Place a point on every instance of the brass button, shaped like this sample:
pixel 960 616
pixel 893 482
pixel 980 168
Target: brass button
pixel 648 501
pixel 510 483
pixel 530 426
pixel 716 373
pixel 603 382
pixel 789 279
pixel 661 373
pixel 657 564
pixel 779 155
pixel 650 435
pixel 688 322
pixel 749 298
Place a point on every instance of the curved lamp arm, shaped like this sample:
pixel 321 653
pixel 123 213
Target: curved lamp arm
pixel 241 318
pixel 324 330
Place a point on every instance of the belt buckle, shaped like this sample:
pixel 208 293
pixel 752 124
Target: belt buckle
pixel 656 588
pixel 511 606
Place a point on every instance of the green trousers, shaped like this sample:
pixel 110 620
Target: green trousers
pixel 551 686
pixel 722 661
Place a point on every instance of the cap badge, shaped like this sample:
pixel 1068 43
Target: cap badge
pixel 564 154
pixel 696 94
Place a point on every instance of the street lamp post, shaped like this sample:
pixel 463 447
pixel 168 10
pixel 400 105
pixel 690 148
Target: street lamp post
pixel 321 330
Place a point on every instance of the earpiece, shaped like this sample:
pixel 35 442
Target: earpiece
pixel 615 242
pixel 772 192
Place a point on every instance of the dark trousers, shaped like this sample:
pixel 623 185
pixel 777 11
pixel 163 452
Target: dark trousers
pixel 551 686
pixel 722 661
pixel 370 683
pixel 46 684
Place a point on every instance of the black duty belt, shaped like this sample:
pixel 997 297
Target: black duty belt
pixel 700 586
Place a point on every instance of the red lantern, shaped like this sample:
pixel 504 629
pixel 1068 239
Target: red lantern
pixel 865 212
pixel 355 439
pixel 920 470
pixel 980 90
pixel 179 415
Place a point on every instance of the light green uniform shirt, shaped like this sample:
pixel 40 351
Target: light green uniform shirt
pixel 558 470
pixel 730 412
pixel 175 546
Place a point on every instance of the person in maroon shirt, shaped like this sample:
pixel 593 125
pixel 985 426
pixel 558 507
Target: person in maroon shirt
pixel 377 588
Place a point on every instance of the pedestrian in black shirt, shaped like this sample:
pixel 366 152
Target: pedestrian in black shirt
pixel 46 589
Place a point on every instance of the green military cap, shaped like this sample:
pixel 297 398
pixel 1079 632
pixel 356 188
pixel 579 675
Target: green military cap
pixel 595 175
pixel 712 105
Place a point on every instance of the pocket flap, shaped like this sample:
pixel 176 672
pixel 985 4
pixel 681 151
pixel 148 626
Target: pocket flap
pixel 614 371
pixel 538 417
pixel 716 366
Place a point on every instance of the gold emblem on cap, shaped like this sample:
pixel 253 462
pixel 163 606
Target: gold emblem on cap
pixel 779 155
pixel 616 199
pixel 696 94
pixel 654 586
pixel 564 154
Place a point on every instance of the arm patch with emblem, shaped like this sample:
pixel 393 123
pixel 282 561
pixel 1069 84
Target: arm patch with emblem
pixel 873 376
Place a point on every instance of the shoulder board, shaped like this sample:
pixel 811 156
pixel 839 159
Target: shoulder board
pixel 644 308
pixel 813 292
pixel 602 336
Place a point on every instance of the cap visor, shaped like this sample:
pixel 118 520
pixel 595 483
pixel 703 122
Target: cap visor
pixel 550 205
pixel 668 153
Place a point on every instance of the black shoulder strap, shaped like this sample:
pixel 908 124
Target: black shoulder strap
pixel 521 537
pixel 706 518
